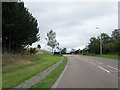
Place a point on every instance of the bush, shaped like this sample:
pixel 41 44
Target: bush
pixel 33 50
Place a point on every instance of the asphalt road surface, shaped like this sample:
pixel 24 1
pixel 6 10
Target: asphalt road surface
pixel 89 72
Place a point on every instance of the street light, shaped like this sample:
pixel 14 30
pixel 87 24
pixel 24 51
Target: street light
pixel 100 41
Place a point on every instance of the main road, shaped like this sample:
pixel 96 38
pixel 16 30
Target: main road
pixel 88 72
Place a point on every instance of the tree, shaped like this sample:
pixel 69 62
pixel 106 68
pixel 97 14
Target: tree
pixel 109 44
pixel 51 40
pixel 94 45
pixel 116 34
pixel 105 43
pixel 116 38
pixel 64 50
pixel 73 51
pixel 105 38
pixel 20 28
pixel 38 46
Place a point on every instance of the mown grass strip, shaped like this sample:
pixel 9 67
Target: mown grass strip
pixel 108 56
pixel 48 81
pixel 111 56
pixel 17 75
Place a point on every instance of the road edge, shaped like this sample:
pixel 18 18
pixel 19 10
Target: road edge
pixel 60 77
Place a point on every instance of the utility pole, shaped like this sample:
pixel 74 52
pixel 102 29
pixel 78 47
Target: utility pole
pixel 100 41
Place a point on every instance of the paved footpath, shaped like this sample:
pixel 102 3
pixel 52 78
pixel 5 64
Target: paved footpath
pixel 35 79
pixel 89 72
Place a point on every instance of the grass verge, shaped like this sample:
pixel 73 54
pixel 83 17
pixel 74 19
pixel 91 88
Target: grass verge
pixel 48 81
pixel 15 73
pixel 112 56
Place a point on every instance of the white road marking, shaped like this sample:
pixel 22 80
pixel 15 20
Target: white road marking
pixel 58 80
pixel 104 69
pixel 112 67
pixel 92 63
pixel 99 62
pixel 113 71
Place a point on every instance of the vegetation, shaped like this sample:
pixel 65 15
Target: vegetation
pixel 33 50
pixel 108 56
pixel 51 40
pixel 19 27
pixel 63 51
pixel 112 56
pixel 48 81
pixel 38 46
pixel 17 68
pixel 110 45
pixel 20 30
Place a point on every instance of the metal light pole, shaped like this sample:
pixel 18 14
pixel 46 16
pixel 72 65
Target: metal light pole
pixel 100 41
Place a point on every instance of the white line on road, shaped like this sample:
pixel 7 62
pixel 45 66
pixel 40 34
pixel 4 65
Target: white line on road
pixel 104 69
pixel 99 62
pixel 112 67
pixel 58 80
pixel 92 63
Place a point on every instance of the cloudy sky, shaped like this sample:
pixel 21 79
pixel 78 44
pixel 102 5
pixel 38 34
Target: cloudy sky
pixel 74 22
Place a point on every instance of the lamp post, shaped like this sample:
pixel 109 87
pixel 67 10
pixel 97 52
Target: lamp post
pixel 100 41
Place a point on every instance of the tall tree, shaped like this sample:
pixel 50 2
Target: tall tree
pixel 64 50
pixel 94 45
pixel 109 44
pixel 116 34
pixel 116 37
pixel 20 28
pixel 51 40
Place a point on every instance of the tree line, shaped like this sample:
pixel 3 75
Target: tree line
pixel 19 27
pixel 110 44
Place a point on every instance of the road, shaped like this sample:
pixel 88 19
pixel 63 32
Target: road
pixel 89 72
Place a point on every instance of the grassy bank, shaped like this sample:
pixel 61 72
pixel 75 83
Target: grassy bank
pixel 23 67
pixel 111 56
pixel 48 81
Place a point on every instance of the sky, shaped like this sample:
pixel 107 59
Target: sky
pixel 75 21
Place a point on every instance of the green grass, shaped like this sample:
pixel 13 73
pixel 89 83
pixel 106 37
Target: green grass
pixel 108 56
pixel 15 73
pixel 112 56
pixel 48 81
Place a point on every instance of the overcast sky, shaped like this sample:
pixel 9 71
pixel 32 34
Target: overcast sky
pixel 74 22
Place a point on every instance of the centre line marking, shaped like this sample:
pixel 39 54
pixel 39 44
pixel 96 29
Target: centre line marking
pixel 112 67
pixel 92 63
pixel 104 69
pixel 99 62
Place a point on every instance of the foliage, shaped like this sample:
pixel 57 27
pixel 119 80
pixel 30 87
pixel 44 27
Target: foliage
pixel 110 45
pixel 20 28
pixel 33 50
pixel 51 39
pixel 63 51
pixel 16 73
pixel 94 45
pixel 116 34
pixel 38 46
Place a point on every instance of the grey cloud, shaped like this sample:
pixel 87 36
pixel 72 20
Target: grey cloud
pixel 68 20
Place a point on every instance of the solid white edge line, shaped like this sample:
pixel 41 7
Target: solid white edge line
pixel 112 67
pixel 104 69
pixel 60 77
